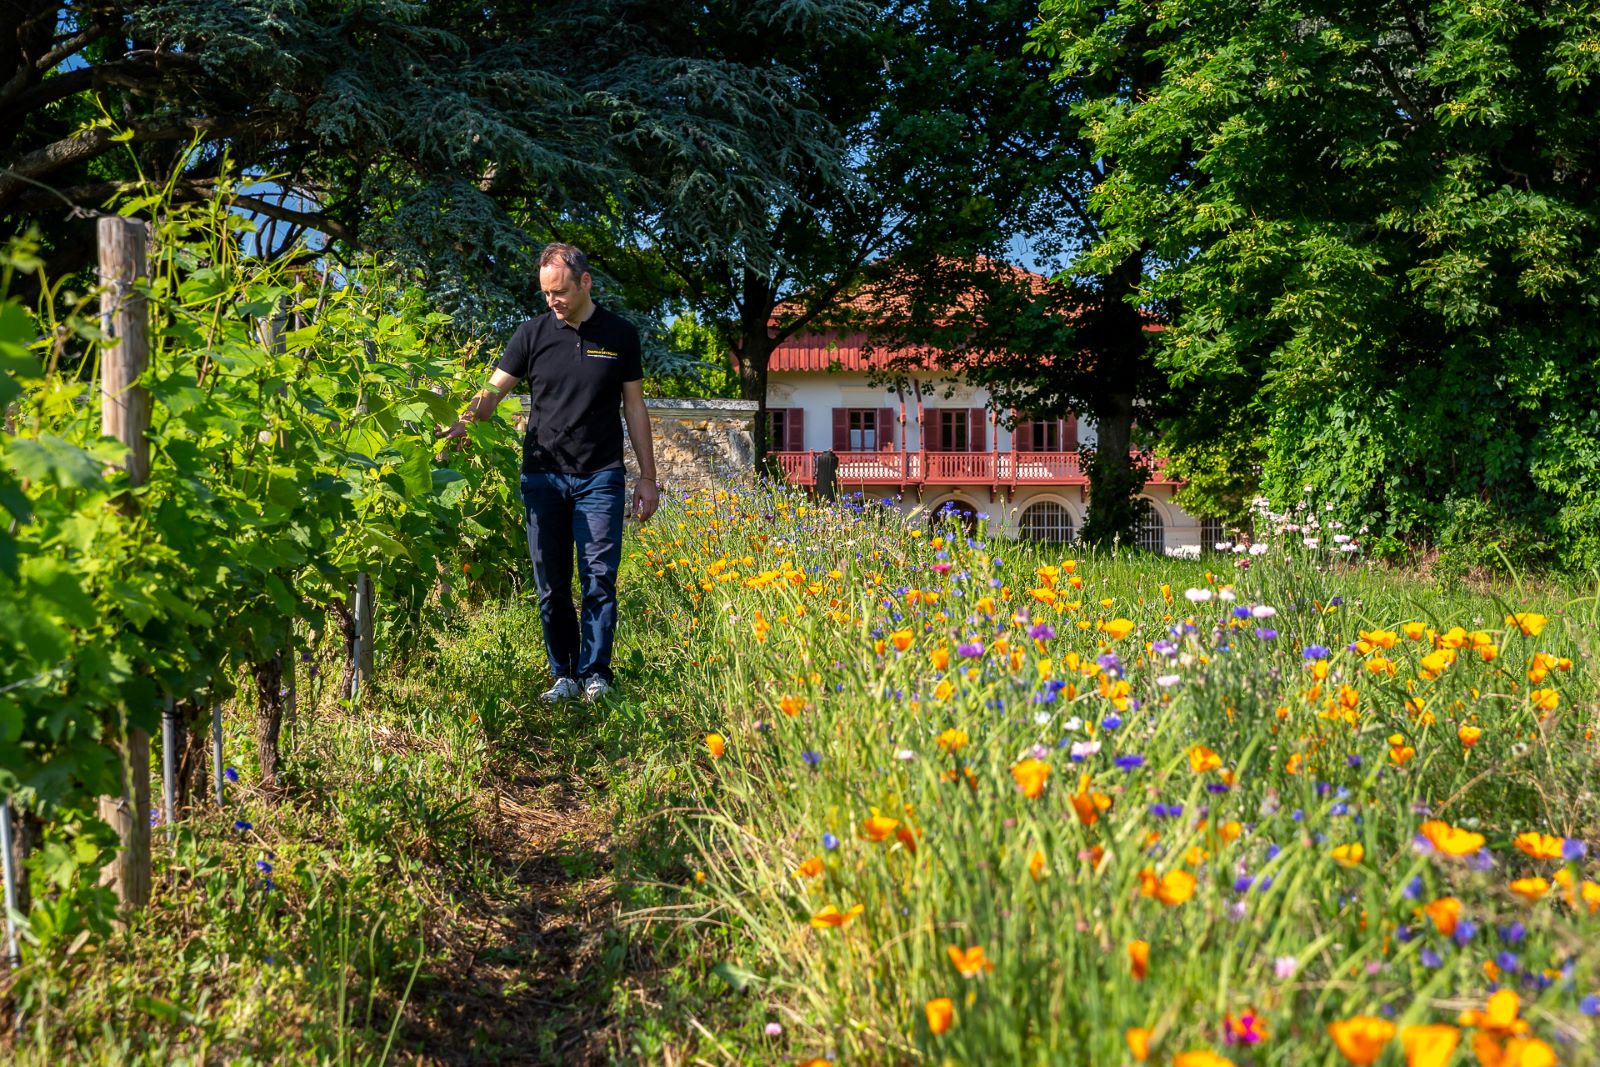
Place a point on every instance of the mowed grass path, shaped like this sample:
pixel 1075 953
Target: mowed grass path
pixel 975 802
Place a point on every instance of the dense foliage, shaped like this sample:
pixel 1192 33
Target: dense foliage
pixel 1381 229
pixel 293 447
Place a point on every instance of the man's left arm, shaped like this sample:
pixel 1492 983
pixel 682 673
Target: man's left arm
pixel 646 494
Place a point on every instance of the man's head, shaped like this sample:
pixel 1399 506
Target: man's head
pixel 564 279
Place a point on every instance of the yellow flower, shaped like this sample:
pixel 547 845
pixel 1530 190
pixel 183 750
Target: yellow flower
pixel 1429 1046
pixel 940 658
pixel 901 639
pixel 716 744
pixel 943 690
pixel 1384 639
pixel 1361 1038
pixel 1036 865
pixel 1139 958
pixel 809 868
pixel 941 1012
pixel 1138 1039
pixel 1349 855
pixel 1030 775
pixel 952 740
pixel 1529 622
pixel 1414 630
pixel 1530 889
pixel 1451 840
pixel 1171 889
pixel 971 962
pixel 1200 1058
pixel 831 917
pixel 1545 699
pixel 1468 736
pixel 1117 629
pixel 792 705
pixel 1202 759
pixel 878 828
pixel 1445 913
pixel 1539 846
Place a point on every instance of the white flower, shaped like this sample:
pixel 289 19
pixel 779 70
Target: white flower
pixel 1311 542
pixel 1167 681
pixel 1240 548
pixel 1223 546
pixel 1226 593
pixel 1352 547
pixel 1041 718
pixel 1341 539
pixel 1263 611
pixel 1197 596
pixel 1084 749
pixel 1335 524
pixel 1285 966
pixel 1073 723
pixel 1258 549
pixel 904 755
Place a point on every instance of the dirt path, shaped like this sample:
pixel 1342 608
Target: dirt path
pixel 526 981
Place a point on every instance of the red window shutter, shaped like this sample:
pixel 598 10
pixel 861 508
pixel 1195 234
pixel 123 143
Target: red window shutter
pixel 930 429
pixel 794 429
pixel 841 429
pixel 1069 436
pixel 885 428
pixel 1023 435
pixel 977 430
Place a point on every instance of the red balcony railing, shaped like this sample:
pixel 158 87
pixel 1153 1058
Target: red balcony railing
pixel 945 468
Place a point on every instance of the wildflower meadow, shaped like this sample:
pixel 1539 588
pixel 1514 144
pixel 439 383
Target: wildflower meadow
pixel 964 800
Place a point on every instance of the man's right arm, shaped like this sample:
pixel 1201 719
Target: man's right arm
pixel 483 405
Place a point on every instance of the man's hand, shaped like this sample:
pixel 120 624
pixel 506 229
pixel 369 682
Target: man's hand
pixel 646 498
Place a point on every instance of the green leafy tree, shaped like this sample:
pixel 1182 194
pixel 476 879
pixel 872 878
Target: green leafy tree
pixel 1380 232
pixel 988 151
pixel 446 136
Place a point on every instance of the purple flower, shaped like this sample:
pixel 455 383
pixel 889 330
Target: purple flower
pixel 1109 663
pixel 1110 722
pixel 1130 761
pixel 1590 1005
pixel 1216 787
pixel 1243 883
pixel 1413 889
pixel 1166 811
pixel 1241 612
pixel 1315 652
pixel 1354 761
pixel 1265 634
pixel 812 759
pixel 231 774
pixel 1573 850
pixel 1165 648
pixel 1430 958
pixel 240 824
pixel 1403 934
pixel 970 649
pixel 263 866
pixel 1041 631
pixel 1465 928
pixel 830 842
pixel 1507 961
pixel 1513 933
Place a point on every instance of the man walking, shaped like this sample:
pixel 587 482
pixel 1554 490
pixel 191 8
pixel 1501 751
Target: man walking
pixel 580 362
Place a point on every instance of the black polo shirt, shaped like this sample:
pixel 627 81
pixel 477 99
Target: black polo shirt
pixel 575 377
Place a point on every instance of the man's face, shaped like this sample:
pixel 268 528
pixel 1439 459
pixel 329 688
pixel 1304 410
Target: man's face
pixel 567 297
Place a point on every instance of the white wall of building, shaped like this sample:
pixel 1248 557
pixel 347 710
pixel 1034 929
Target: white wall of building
pixel 819 394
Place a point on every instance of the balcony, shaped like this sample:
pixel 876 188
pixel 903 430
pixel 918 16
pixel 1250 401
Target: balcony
pixel 997 470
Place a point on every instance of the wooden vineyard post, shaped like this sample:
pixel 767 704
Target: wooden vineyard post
pixel 12 886
pixel 125 415
pixel 361 652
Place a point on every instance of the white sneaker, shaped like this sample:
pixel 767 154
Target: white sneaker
pixel 595 688
pixel 565 689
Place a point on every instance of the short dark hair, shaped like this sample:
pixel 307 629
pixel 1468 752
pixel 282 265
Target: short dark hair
pixel 557 254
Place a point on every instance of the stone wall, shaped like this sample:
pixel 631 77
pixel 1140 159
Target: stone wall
pixel 699 443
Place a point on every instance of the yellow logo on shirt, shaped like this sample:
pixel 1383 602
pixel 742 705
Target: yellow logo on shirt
pixel 603 353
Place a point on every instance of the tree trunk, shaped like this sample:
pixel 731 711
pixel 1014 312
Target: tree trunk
pixel 194 750
pixel 753 356
pixel 1114 479
pixel 269 718
pixel 347 630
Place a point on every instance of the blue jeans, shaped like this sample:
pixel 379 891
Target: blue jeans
pixel 582 512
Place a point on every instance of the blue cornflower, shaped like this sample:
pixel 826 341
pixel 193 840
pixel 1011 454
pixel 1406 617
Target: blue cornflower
pixel 830 842
pixel 1590 1005
pixel 1430 958
pixel 1216 787
pixel 812 759
pixel 1243 883
pixel 1130 761
pixel 1041 631
pixel 240 824
pixel 1465 928
pixel 1266 634
pixel 1413 889
pixel 1316 652
pixel 1507 961
pixel 231 774
pixel 1353 760
pixel 1110 722
pixel 1513 932
pixel 1241 612
pixel 263 866
pixel 1573 850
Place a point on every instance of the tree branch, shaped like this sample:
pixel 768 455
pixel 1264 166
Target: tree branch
pixel 304 219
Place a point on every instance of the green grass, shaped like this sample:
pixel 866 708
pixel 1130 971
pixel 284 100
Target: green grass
pixel 459 872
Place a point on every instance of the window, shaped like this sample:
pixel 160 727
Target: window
pixel 1212 535
pixel 952 430
pixel 1046 435
pixel 1152 535
pixel 777 424
pixel 1047 521
pixel 863 429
